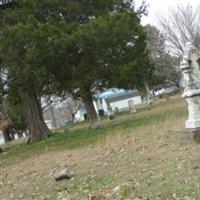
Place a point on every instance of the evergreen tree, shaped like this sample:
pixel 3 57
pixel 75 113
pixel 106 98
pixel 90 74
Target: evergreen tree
pixel 71 46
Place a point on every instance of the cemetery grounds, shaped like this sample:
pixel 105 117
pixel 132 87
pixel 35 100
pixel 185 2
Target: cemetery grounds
pixel 137 156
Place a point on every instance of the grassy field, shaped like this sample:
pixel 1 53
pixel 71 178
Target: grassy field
pixel 136 156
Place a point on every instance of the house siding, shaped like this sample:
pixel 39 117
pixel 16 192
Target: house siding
pixel 123 104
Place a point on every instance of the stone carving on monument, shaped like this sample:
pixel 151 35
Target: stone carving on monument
pixel 190 67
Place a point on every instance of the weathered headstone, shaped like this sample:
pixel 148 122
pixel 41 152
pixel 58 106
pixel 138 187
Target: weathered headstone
pixel 68 126
pixel 93 124
pixel 131 106
pixel 110 114
pixel 191 92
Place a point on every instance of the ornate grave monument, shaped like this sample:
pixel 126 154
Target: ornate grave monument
pixel 190 68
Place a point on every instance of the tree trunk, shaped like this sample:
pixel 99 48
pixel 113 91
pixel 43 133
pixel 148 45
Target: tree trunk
pixel 4 122
pixel 148 95
pixel 37 128
pixel 6 135
pixel 6 128
pixel 91 112
pixel 89 106
pixel 53 116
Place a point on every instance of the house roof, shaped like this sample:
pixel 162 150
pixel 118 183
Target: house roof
pixel 113 95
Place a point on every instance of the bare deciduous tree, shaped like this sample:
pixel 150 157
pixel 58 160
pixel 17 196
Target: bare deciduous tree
pixel 182 25
pixel 165 64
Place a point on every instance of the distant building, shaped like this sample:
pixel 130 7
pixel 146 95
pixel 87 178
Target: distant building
pixel 2 141
pixel 81 114
pixel 6 2
pixel 114 99
pixel 168 88
pixel 117 99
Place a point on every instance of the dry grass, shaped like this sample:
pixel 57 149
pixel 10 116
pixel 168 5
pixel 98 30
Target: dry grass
pixel 147 161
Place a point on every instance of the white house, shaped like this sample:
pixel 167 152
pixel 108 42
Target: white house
pixel 113 99
pixel 117 99
pixel 81 114
pixel 4 2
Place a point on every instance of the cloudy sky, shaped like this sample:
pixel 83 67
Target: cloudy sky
pixel 160 7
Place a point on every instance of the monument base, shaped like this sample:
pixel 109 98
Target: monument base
pixel 189 134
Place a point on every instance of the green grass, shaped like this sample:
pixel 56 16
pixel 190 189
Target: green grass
pixel 80 138
pixel 139 154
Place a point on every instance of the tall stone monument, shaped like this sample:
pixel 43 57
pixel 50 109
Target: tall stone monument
pixel 190 68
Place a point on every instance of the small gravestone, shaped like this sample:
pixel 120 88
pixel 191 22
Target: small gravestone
pixel 116 110
pixel 68 126
pixel 132 106
pixel 110 114
pixel 63 174
pixel 93 124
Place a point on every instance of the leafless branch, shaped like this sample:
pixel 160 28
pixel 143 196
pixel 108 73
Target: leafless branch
pixel 182 25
